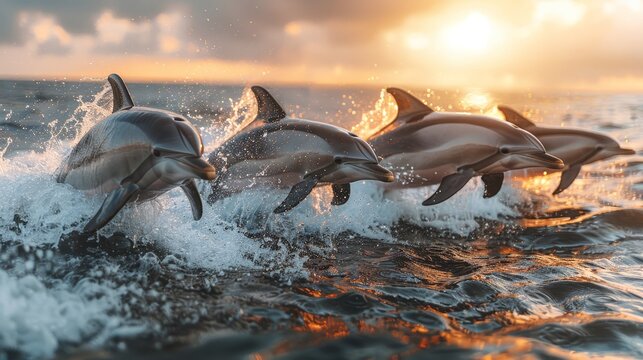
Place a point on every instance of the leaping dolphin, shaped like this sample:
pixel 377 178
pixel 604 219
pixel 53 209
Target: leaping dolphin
pixel 426 147
pixel 136 154
pixel 574 146
pixel 277 151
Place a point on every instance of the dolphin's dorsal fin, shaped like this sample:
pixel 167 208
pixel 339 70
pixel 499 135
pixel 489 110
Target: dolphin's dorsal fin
pixel 516 118
pixel 409 109
pixel 408 106
pixel 268 109
pixel 122 98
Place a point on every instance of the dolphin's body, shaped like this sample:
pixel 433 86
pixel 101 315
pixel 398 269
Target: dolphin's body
pixel 282 152
pixel 425 147
pixel 575 147
pixel 136 154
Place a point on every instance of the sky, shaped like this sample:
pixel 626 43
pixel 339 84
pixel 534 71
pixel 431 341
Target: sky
pixel 592 45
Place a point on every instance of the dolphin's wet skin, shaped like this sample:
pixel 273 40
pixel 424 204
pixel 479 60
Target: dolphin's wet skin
pixel 522 273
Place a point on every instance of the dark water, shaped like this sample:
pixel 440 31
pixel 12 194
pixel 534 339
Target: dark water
pixel 520 275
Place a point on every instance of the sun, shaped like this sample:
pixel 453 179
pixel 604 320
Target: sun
pixel 472 34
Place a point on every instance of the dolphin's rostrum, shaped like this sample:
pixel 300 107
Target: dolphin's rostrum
pixel 426 147
pixel 136 154
pixel 299 154
pixel 575 147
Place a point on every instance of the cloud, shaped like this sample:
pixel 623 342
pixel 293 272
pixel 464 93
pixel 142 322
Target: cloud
pixel 437 43
pixel 223 29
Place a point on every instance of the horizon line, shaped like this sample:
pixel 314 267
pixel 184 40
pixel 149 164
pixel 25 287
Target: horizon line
pixel 139 80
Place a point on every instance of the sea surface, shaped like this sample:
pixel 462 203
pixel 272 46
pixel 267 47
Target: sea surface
pixel 520 275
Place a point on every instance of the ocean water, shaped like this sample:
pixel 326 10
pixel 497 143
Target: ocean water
pixel 523 274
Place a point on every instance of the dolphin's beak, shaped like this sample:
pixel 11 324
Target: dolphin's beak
pixel 622 151
pixel 376 171
pixel 543 159
pixel 199 167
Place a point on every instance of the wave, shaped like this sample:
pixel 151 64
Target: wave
pixel 95 300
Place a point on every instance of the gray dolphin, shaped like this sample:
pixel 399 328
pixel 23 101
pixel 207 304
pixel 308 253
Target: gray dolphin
pixel 426 147
pixel 574 146
pixel 299 154
pixel 136 154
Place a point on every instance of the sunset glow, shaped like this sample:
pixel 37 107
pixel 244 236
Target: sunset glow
pixel 493 45
pixel 469 35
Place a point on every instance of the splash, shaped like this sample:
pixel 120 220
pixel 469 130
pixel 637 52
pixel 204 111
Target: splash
pixel 36 211
pixel 3 151
pixel 357 263
pixel 377 118
pixel 378 211
pixel 43 211
pixel 244 111
pixel 85 116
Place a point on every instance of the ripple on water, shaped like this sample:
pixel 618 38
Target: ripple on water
pixel 610 335
pixel 580 295
pixel 603 228
pixel 378 277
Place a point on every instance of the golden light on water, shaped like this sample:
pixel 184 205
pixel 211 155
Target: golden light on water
pixel 321 199
pixel 539 184
pixel 445 329
pixel 476 100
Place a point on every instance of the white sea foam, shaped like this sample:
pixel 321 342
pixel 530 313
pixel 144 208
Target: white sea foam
pixel 234 233
pixel 369 212
pixel 36 319
pixel 35 210
pixel 219 240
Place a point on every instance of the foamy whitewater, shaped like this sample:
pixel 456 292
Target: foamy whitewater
pixel 52 303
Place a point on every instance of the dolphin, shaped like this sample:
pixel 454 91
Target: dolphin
pixel 277 151
pixel 575 147
pixel 136 154
pixel 426 147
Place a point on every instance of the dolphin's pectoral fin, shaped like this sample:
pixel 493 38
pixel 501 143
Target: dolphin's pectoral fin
pixel 492 184
pixel 297 194
pixel 449 186
pixel 341 193
pixel 112 204
pixel 122 98
pixel 567 178
pixel 190 190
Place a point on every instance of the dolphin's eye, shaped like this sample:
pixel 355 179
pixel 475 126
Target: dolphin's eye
pixel 504 150
pixel 338 160
pixel 156 152
pixel 599 147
